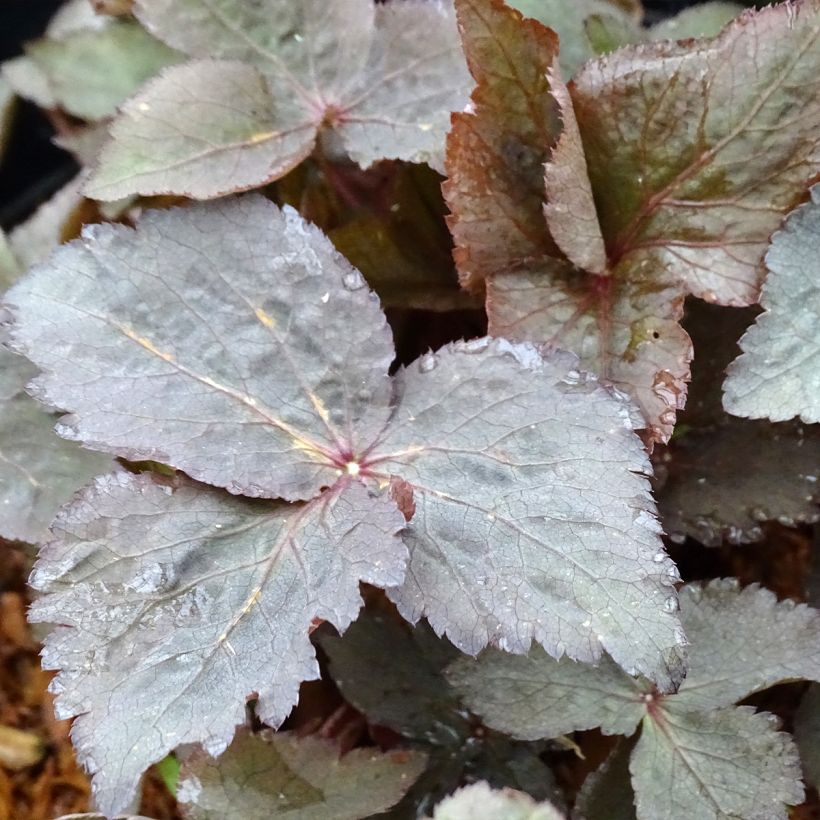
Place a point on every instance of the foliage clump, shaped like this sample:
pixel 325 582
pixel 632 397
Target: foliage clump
pixel 351 504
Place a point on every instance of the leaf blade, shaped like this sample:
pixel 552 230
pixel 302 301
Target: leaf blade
pixel 203 129
pixel 685 201
pixel 472 436
pixel 777 376
pixel 534 696
pixel 737 643
pixel 206 599
pixel 260 365
pixel 715 766
pixel 509 131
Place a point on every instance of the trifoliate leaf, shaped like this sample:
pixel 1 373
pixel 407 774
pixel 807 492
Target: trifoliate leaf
pixel 568 19
pixel 38 470
pixel 701 20
pixel 807 734
pixel 534 696
pixel 693 758
pixel 497 148
pixel 667 129
pixel 480 802
pixel 744 640
pixel 246 365
pixel 718 765
pixel 607 792
pixel 268 347
pixel 282 775
pixel 409 694
pixel 778 374
pixel 271 77
pixel 232 341
pixel 191 600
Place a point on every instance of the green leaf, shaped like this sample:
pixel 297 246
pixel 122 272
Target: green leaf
pixel 168 769
pixel 701 20
pixel 718 765
pixel 87 64
pixel 281 775
pixel 534 696
pixel 269 78
pixel 89 73
pixel 480 802
pixel 778 374
pixel 568 18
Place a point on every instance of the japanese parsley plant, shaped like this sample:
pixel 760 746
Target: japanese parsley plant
pixel 232 342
